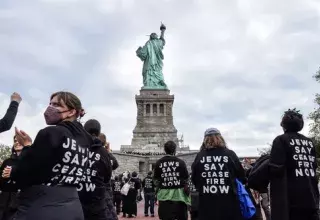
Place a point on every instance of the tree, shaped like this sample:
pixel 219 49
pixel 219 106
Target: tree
pixel 315 117
pixel 265 150
pixel 5 152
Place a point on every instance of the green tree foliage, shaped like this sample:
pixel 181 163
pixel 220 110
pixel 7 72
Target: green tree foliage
pixel 315 115
pixel 315 118
pixel 265 150
pixel 5 152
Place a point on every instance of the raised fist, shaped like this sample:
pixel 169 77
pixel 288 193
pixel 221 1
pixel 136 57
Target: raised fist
pixel 16 97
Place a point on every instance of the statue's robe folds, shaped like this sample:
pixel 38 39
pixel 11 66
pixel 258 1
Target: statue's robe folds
pixel 152 56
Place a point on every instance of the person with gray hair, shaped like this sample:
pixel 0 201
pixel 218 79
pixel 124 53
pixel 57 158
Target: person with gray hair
pixel 214 173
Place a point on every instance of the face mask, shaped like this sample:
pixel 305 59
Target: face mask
pixel 53 115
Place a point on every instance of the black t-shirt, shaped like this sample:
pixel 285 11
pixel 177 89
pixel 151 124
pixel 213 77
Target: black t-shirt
pixel 171 172
pixel 116 187
pixel 8 185
pixel 135 185
pixel 294 154
pixel 97 174
pixel 214 174
pixel 58 156
pixel 148 185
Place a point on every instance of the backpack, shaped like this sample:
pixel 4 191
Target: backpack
pixel 125 189
pixel 246 206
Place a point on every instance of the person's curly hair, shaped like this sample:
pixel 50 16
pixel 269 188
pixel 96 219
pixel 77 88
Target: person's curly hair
pixel 292 120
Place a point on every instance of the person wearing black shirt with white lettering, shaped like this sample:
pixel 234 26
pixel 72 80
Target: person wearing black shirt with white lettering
pixel 133 192
pixel 99 172
pixel 8 119
pixel 109 194
pixel 292 167
pixel 214 173
pixel 171 177
pixel 149 194
pixel 9 191
pixel 50 169
pixel 116 188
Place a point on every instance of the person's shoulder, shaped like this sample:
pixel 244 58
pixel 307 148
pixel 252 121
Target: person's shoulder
pixel 229 151
pixel 51 130
pixel 180 160
pixel 54 128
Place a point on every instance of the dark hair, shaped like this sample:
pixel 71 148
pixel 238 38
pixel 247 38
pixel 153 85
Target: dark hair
pixel 93 127
pixel 134 174
pixel 116 178
pixel 170 147
pixel 292 120
pixel 103 136
pixel 150 173
pixel 71 101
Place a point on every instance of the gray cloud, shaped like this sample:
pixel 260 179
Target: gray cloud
pixel 235 65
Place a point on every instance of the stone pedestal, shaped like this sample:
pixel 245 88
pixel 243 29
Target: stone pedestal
pixel 154 118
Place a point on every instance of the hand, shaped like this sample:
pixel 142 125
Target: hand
pixel 23 138
pixel 6 173
pixel 16 97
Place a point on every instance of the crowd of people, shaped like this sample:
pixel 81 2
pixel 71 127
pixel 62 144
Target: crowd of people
pixel 144 153
pixel 66 173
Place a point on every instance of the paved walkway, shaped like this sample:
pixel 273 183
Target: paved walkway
pixel 141 212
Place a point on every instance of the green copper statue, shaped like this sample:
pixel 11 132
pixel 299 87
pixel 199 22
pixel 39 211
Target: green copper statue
pixel 152 56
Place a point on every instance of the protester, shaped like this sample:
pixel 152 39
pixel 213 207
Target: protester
pixel 171 177
pixel 254 195
pixel 109 194
pixel 99 172
pixel 50 169
pixel 149 194
pixel 194 208
pixel 125 203
pixel 103 138
pixel 131 198
pixel 116 188
pixel 8 119
pixel 9 190
pixel 294 185
pixel 214 173
pixel 258 180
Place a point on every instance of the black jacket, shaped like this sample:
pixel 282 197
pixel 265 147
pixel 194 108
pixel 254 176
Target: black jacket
pixel 8 190
pixel 58 156
pixel 7 121
pixel 258 178
pixel 92 194
pixel 294 184
pixel 214 174
pixel 116 187
pixel 50 171
pixel 171 173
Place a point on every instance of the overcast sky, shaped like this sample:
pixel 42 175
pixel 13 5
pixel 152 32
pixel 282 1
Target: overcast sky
pixel 234 65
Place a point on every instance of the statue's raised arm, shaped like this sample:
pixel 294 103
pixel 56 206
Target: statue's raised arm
pixel 163 29
pixel 152 56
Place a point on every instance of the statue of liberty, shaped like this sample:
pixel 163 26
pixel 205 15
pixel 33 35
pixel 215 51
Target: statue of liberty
pixel 152 56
